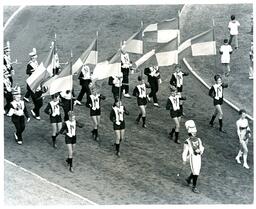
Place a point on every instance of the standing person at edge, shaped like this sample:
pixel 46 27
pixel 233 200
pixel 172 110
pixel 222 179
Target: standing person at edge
pixel 192 151
pixel 251 61
pixel 154 81
pixel 53 109
pixel 244 133
pixel 117 117
pixel 225 51
pixel 140 92
pixel 8 63
pixel 125 69
pixel 94 103
pixel 69 127
pixel 173 104
pixel 17 111
pixel 216 92
pixel 177 81
pixel 31 67
pixel 233 26
pixel 85 82
pixel 116 83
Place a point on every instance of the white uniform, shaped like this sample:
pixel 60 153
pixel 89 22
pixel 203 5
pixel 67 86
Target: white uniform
pixel 243 126
pixel 225 57
pixel 191 147
pixel 233 26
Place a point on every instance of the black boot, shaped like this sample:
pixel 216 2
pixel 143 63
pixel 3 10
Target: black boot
pixel 212 120
pixel 118 149
pixel 221 129
pixel 144 122
pixel 194 188
pixel 93 132
pixel 177 137
pixel 54 142
pixel 171 133
pixel 138 118
pixel 188 180
pixel 71 165
pixel 96 135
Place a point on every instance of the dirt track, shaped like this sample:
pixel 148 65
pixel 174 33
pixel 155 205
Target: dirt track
pixel 146 171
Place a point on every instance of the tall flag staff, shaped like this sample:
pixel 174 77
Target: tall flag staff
pixel 71 80
pixel 213 37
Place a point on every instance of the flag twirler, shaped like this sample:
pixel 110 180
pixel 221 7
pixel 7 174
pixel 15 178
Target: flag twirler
pixel 165 55
pixel 203 44
pixel 135 43
pixel 162 32
pixel 42 73
pixel 110 67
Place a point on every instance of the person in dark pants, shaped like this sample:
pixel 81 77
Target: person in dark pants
pixel 125 69
pixel 8 63
pixel 38 102
pixel 216 92
pixel 117 117
pixel 116 83
pixel 31 67
pixel 85 81
pixel 154 81
pixel 192 151
pixel 65 97
pixel 17 112
pixel 7 90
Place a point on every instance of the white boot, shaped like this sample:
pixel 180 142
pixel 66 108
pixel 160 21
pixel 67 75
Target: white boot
pixel 238 157
pixel 245 161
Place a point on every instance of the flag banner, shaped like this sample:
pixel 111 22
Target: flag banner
pixel 203 44
pixel 110 67
pixel 61 84
pixel 135 43
pixel 42 73
pixel 162 32
pixel 144 58
pixel 184 45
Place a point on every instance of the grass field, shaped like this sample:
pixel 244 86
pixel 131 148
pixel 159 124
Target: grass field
pixel 146 172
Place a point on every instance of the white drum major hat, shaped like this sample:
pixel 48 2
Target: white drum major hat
pixel 33 53
pixel 190 126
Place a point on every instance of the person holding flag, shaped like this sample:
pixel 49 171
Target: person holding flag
pixel 53 109
pixel 125 69
pixel 244 134
pixel 38 101
pixel 17 111
pixel 140 92
pixel 94 103
pixel 117 117
pixel 85 82
pixel 67 102
pixel 192 151
pixel 154 80
pixel 31 67
pixel 116 83
pixel 216 92
pixel 8 63
pixel 173 104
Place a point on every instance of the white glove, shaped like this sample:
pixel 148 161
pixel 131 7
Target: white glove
pixel 28 119
pixel 160 80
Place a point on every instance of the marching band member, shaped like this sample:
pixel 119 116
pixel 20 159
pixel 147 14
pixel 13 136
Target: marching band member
pixel 8 63
pixel 66 97
pixel 69 126
pixel 192 151
pixel 116 83
pixel 125 69
pixel 17 111
pixel 53 109
pixel 225 51
pixel 244 133
pixel 38 102
pixel 7 90
pixel 173 104
pixel 117 117
pixel 94 103
pixel 85 81
pixel 154 81
pixel 216 92
pixel 31 67
pixel 140 92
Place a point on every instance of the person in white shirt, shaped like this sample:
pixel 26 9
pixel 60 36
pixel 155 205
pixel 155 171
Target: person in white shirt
pixel 53 109
pixel 225 51
pixel 8 62
pixel 192 151
pixel 244 134
pixel 251 61
pixel 233 26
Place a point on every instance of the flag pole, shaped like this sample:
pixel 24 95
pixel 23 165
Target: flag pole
pixel 214 41
pixel 142 70
pixel 71 90
pixel 178 35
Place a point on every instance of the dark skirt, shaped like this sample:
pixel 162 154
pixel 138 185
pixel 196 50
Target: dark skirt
pixel 218 102
pixel 141 101
pixel 119 127
pixel 70 140
pixel 96 112
pixel 55 119
pixel 175 114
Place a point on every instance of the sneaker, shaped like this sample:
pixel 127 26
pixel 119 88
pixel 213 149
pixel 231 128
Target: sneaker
pixel 246 166
pixel 148 98
pixel 177 142
pixel 238 160
pixel 71 169
pixel 76 102
pixel 127 95
pixel 33 113
pixel 38 118
pixel 26 99
pixel 156 104
pixel 15 136
pixel 195 190
pixel 19 142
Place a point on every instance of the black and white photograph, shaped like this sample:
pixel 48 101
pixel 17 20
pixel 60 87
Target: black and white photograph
pixel 128 103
